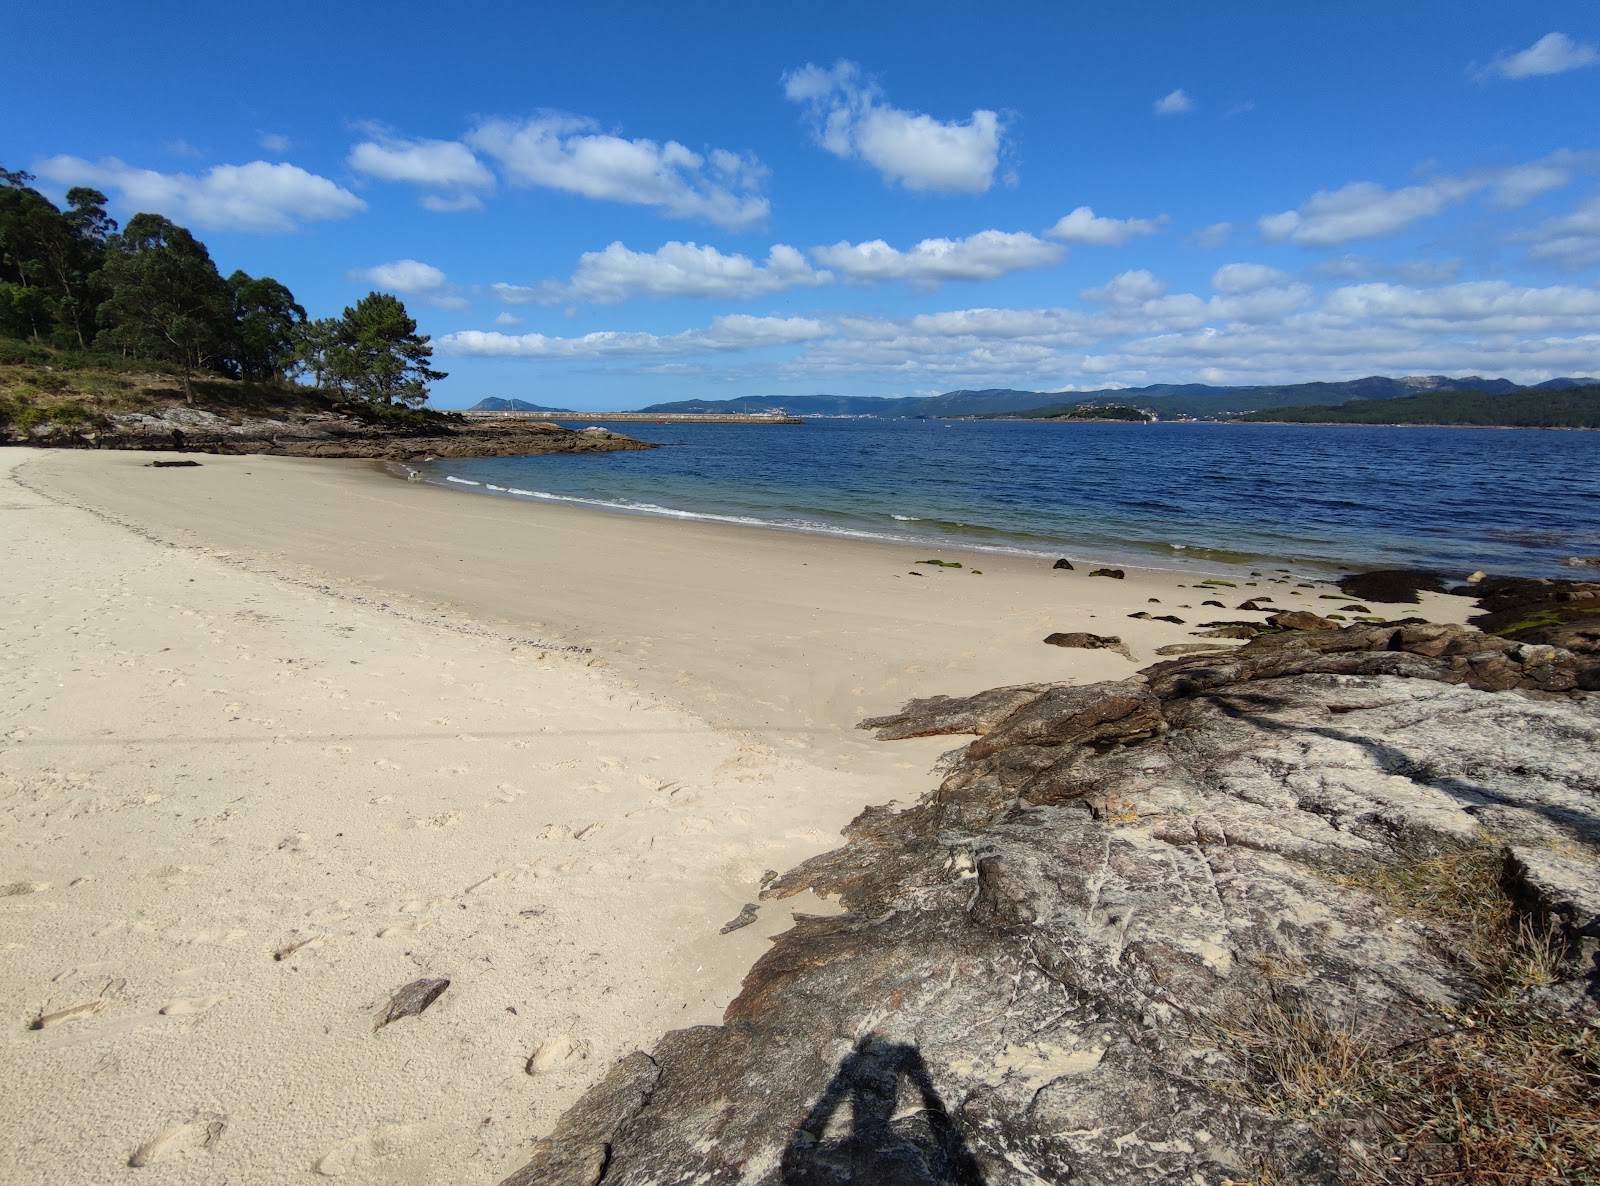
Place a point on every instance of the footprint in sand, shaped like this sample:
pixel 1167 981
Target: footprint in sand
pixel 17 888
pixel 386 764
pixel 445 819
pixel 407 928
pixel 554 1052
pixel 191 1005
pixel 364 1150
pixel 193 1136
pixel 295 946
pixel 70 1013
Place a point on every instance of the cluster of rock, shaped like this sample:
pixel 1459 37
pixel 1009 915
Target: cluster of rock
pixel 330 434
pixel 1040 964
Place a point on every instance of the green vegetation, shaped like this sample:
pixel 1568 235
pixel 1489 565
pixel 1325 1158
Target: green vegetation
pixel 942 563
pixel 1106 412
pixel 1570 407
pixel 92 314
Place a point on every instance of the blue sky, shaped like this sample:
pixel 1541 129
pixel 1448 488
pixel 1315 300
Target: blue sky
pixel 618 203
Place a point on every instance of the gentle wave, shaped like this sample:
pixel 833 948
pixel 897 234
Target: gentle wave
pixel 803 526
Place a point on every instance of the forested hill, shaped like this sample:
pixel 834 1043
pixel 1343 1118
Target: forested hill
pixel 1167 399
pixel 1572 407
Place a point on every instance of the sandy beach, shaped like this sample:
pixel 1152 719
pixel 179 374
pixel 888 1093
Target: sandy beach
pixel 280 736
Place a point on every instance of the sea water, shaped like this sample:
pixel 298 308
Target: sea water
pixel 1212 496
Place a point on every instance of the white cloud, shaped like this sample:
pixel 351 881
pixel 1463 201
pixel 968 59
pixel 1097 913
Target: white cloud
pixel 447 169
pixel 1367 210
pixel 566 152
pixel 1362 210
pixel 1263 328
pixel 677 270
pixel 1571 241
pixel 1174 103
pixel 986 255
pixel 507 320
pixel 412 277
pixel 1240 278
pixel 852 119
pixel 1129 288
pixel 1083 226
pixel 1554 53
pixel 1212 236
pixel 734 332
pixel 181 147
pixel 257 196
pixel 274 142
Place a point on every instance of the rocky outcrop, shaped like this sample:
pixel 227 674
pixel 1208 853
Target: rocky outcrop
pixel 1181 928
pixel 330 434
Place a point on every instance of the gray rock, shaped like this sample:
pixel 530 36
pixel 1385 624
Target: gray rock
pixel 1043 966
pixel 1089 642
pixel 409 1001
pixel 747 915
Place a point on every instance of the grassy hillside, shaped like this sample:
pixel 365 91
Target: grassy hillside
pixel 40 386
pixel 1573 407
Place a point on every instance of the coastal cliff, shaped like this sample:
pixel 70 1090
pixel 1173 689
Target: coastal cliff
pixel 1321 909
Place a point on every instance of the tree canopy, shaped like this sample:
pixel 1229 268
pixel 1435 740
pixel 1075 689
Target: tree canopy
pixel 69 279
pixel 376 354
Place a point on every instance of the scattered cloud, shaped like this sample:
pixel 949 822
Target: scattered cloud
pixel 257 197
pixel 1362 210
pixel 1350 266
pixel 1129 288
pixel 1367 210
pixel 1240 278
pixel 274 142
pixel 1174 103
pixel 1084 226
pixel 677 270
pixel 565 152
pixel 851 118
pixel 1554 53
pixel 1260 326
pixel 1571 241
pixel 734 332
pixel 1213 236
pixel 410 277
pixel 507 320
pixel 183 148
pixel 987 255
pixel 451 175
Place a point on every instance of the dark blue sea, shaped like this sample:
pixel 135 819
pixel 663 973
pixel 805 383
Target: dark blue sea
pixel 1212 496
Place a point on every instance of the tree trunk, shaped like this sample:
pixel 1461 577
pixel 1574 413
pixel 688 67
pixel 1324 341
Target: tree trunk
pixel 188 390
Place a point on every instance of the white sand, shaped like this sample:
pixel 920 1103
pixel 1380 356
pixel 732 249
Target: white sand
pixel 274 706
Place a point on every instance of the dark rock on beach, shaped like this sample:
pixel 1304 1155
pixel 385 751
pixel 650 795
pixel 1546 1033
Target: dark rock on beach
pixel 1247 916
pixel 1115 574
pixel 1085 640
pixel 410 1000
pixel 1063 563
pixel 1396 586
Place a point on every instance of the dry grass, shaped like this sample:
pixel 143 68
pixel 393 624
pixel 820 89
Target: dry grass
pixel 1500 1091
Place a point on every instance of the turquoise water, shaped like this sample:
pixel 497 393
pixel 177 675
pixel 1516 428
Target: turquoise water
pixel 1163 495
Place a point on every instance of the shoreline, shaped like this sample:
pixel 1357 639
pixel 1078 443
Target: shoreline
pixel 341 719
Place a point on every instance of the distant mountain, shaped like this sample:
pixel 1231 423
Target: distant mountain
pixel 1567 406
pixel 951 403
pixel 495 404
pixel 1202 400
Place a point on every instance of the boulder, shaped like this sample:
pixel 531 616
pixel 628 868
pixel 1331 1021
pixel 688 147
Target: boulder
pixel 1115 574
pixel 1063 563
pixel 1394 586
pixel 1158 930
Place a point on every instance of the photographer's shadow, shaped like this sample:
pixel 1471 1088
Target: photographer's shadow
pixel 886 1145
